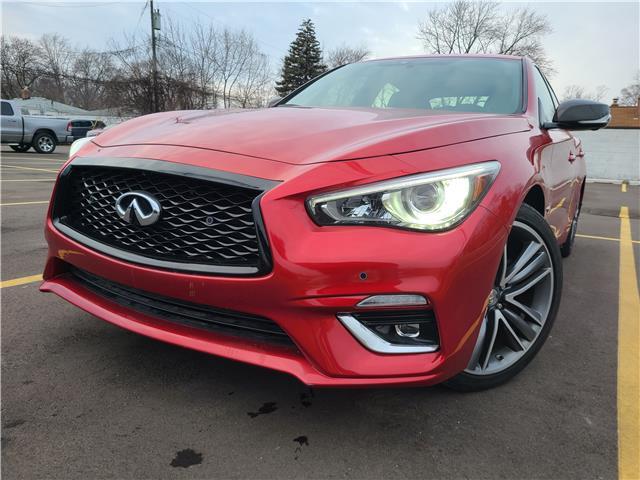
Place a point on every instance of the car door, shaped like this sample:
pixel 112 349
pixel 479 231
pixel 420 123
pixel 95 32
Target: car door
pixel 11 124
pixel 557 161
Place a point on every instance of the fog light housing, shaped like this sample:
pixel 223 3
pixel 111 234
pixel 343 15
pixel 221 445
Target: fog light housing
pixel 394 331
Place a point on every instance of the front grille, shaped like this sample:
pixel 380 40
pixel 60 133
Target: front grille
pixel 204 225
pixel 226 322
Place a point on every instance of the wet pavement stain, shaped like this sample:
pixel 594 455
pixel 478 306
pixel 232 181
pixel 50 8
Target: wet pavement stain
pixel 186 458
pixel 15 423
pixel 267 407
pixel 305 399
pixel 301 440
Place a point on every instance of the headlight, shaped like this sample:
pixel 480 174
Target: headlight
pixel 77 145
pixel 428 201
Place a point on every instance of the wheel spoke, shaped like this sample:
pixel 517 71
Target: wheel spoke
pixel 534 265
pixel 527 286
pixel 492 341
pixel 530 312
pixel 516 343
pixel 477 350
pixel 522 261
pixel 519 324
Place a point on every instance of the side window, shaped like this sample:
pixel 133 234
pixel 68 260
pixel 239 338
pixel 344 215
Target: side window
pixel 545 99
pixel 7 109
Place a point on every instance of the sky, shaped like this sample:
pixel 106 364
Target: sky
pixel 592 44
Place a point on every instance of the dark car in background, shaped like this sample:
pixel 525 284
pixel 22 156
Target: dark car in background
pixel 79 128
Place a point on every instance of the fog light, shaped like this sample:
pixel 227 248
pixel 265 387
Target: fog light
pixel 408 330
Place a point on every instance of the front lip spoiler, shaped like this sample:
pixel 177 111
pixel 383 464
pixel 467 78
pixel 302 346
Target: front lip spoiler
pixel 285 360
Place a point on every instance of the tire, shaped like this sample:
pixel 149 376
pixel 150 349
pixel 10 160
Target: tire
pixel 567 246
pixel 44 143
pixel 21 148
pixel 522 305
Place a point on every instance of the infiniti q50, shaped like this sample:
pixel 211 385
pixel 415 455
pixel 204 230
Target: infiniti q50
pixel 395 221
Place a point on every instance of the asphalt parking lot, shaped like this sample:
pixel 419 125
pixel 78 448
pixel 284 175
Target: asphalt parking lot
pixel 84 399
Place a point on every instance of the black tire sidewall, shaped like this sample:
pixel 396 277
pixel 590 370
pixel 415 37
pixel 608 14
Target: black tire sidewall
pixel 21 148
pixel 468 382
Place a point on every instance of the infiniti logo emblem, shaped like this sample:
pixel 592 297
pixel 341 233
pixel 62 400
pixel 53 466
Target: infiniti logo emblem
pixel 139 207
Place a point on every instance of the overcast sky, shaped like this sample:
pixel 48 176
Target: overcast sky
pixel 594 43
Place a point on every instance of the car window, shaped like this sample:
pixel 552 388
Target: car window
pixel 81 123
pixel 7 109
pixel 545 99
pixel 488 85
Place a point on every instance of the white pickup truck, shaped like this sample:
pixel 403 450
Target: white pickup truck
pixel 23 131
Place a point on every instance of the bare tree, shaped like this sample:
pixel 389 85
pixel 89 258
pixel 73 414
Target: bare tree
pixel 466 26
pixel 19 63
pixel 463 26
pixel 255 86
pixel 600 93
pixel 236 52
pixel 176 66
pixel 630 95
pixel 56 59
pixel 88 85
pixel 573 92
pixel 345 54
pixel 196 67
pixel 204 45
pixel 577 91
pixel 130 88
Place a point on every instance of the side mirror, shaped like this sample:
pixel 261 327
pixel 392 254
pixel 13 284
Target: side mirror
pixel 580 115
pixel 273 101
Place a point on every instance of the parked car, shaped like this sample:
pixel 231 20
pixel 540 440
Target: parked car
pixel 80 128
pixel 23 131
pixel 98 130
pixel 396 221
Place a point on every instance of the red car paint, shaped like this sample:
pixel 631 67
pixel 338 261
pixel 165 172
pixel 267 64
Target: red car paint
pixel 317 269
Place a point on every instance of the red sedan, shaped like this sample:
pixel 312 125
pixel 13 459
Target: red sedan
pixel 396 221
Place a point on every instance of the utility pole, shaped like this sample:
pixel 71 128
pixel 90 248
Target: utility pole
pixel 155 25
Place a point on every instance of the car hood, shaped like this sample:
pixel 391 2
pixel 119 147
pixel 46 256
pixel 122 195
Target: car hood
pixel 299 136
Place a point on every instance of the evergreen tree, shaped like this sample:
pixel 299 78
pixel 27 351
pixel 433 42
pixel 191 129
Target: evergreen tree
pixel 303 62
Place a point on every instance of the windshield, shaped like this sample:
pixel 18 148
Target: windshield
pixel 489 85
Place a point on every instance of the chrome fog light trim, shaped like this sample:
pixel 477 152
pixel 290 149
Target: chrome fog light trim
pixel 376 344
pixel 402 300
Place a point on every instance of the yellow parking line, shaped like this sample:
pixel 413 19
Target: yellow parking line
pixel 596 237
pixel 624 187
pixel 39 202
pixel 29 168
pixel 20 281
pixel 628 357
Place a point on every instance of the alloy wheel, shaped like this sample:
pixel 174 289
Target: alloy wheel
pixel 46 144
pixel 519 303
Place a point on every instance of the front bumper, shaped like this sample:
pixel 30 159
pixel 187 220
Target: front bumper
pixel 316 275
